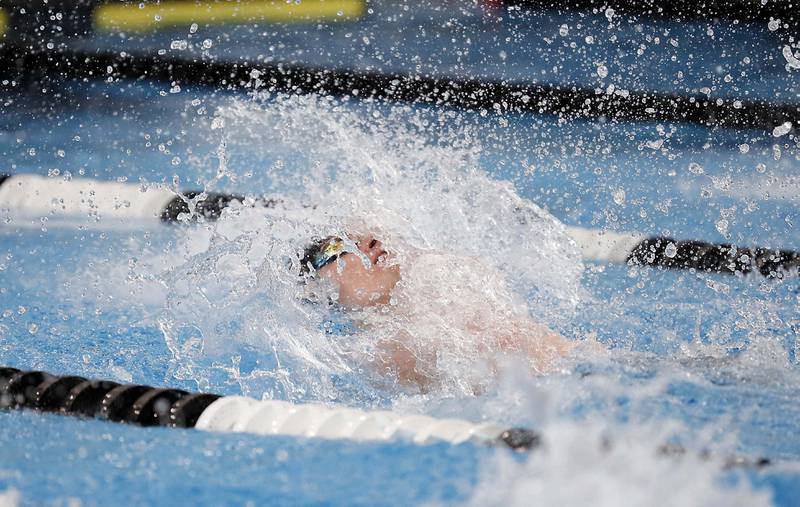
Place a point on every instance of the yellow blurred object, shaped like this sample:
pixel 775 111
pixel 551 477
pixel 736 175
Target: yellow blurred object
pixel 146 16
pixel 3 23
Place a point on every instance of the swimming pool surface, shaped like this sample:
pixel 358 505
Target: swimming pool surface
pixel 704 360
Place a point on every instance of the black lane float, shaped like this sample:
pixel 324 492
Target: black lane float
pixel 26 200
pixel 175 408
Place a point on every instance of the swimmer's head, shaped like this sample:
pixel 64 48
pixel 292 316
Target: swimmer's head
pixel 366 278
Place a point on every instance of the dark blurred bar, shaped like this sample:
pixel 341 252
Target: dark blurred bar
pixel 743 10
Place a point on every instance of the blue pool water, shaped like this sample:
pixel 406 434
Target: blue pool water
pixel 708 361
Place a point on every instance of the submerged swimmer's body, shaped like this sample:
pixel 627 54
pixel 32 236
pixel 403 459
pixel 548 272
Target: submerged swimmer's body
pixel 432 293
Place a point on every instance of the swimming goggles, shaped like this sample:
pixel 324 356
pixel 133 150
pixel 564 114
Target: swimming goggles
pixel 322 252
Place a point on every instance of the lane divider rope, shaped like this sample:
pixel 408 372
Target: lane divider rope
pixel 175 408
pixel 28 199
pixel 498 96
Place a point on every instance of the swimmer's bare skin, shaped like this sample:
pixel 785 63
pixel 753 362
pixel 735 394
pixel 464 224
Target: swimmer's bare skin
pixel 362 286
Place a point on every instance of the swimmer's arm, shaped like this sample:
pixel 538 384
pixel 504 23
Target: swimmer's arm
pixel 533 340
pixel 545 347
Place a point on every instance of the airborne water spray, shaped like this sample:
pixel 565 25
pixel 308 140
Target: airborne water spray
pixel 236 308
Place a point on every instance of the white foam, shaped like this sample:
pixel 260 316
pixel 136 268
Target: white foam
pixel 608 456
pixel 590 464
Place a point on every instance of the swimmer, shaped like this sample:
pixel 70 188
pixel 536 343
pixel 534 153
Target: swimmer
pixel 430 295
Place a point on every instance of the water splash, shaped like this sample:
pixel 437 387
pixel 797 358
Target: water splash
pixel 594 465
pixel 408 177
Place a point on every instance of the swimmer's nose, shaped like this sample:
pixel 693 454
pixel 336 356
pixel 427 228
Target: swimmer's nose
pixel 372 248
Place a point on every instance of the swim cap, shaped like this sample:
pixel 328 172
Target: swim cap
pixel 321 253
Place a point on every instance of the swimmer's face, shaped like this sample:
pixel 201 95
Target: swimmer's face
pixel 361 285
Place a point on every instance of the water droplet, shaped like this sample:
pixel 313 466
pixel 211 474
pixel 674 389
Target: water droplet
pixel 179 45
pixel 718 286
pixel 619 196
pixel 695 168
pixel 654 145
pixel 671 250
pixel 792 62
pixel 782 130
pixel 722 226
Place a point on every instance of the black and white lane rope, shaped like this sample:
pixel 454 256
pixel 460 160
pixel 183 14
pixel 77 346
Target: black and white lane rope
pixel 176 408
pixel 26 200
